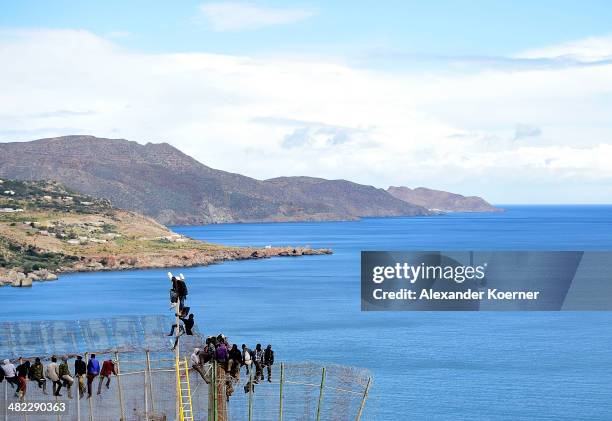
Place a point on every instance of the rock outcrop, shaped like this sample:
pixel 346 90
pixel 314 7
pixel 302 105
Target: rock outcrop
pixel 17 278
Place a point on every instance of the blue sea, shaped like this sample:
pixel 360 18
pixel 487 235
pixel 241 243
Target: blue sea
pixel 426 365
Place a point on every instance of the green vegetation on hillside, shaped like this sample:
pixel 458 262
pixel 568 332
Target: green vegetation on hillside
pixel 29 259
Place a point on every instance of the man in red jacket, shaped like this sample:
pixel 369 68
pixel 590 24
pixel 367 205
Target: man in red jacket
pixel 108 369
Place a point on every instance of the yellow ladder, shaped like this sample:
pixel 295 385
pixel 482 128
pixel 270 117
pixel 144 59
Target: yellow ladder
pixel 183 389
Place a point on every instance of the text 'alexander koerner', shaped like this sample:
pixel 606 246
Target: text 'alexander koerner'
pixel 469 294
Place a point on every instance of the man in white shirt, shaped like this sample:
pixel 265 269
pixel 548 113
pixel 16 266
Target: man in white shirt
pixel 52 373
pixel 10 373
pixel 196 364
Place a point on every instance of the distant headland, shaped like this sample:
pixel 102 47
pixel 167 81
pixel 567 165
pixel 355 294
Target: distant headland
pixel 159 181
pixel 47 229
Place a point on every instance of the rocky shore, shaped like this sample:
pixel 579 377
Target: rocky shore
pixel 20 279
pixel 179 258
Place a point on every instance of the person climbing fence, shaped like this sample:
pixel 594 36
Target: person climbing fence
pixel 178 291
pixel 186 321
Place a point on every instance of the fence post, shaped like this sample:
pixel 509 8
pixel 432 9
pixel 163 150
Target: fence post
pixel 146 398
pixel 215 392
pixel 280 399
pixel 91 418
pixel 179 394
pixel 210 385
pixel 321 395
pixel 363 400
pixel 59 417
pixel 150 381
pixel 78 396
pixel 87 385
pixel 250 383
pixel 6 404
pixel 119 389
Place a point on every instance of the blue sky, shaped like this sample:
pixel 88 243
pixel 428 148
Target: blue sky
pixel 456 28
pixel 506 99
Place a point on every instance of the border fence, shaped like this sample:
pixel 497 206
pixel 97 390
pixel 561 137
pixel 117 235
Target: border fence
pixel 145 388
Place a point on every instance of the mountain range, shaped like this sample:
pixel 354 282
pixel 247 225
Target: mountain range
pixel 160 181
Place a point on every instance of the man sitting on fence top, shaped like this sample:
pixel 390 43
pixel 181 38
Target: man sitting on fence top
pixel 221 355
pixel 10 373
pixel 108 369
pixel 65 376
pixel 208 352
pixel 80 371
pixel 23 370
pixel 247 359
pixel 235 359
pixel 268 361
pixel 93 369
pixel 258 358
pixel 37 374
pixel 52 373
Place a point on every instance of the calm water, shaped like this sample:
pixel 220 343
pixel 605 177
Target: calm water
pixel 442 366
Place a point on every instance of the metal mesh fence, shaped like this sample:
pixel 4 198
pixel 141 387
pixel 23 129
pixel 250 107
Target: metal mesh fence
pixel 144 391
pixel 128 333
pixel 146 385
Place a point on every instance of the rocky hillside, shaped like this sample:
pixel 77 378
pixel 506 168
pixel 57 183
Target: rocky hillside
pixel 47 229
pixel 162 182
pixel 437 200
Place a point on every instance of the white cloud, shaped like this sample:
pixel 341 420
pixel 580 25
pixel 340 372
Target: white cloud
pixel 236 16
pixel 443 130
pixel 588 50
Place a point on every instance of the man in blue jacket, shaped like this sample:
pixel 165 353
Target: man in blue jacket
pixel 93 369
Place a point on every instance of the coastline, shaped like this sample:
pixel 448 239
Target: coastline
pixel 164 259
